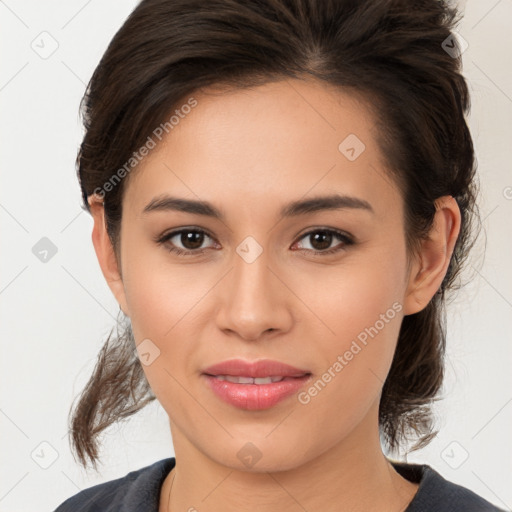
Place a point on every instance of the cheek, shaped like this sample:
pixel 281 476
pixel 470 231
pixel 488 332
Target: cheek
pixel 159 293
pixel 359 305
pixel 161 303
pixel 352 296
pixel 165 302
pixel 355 365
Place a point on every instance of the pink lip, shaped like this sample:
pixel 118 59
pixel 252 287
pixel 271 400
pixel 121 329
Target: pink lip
pixel 261 368
pixel 255 396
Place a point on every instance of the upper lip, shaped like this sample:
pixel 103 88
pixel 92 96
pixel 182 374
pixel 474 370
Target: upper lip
pixel 255 369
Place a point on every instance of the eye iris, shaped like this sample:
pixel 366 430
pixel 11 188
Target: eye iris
pixel 324 237
pixel 194 238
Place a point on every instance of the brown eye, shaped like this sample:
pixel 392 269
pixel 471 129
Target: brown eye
pixel 191 241
pixel 321 240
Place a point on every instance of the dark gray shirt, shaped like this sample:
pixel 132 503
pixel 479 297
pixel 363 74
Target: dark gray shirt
pixel 139 491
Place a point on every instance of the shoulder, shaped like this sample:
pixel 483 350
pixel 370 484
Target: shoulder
pixel 435 493
pixel 136 491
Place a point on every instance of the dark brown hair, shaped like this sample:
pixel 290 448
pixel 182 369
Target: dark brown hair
pixel 391 53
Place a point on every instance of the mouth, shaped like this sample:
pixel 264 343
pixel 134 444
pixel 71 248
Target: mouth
pixel 254 385
pixel 251 380
pixel 263 368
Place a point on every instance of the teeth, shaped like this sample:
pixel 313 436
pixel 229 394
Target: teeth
pixel 249 380
pixel 239 380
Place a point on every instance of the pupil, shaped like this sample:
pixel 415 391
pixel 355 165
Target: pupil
pixel 194 239
pixel 324 238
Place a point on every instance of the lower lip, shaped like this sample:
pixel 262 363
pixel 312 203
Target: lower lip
pixel 255 396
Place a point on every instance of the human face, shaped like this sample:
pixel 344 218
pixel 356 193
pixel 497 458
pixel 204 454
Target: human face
pixel 249 153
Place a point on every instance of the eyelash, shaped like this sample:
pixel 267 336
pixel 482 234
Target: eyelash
pixel 346 239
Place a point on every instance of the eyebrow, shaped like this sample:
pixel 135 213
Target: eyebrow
pixel 293 209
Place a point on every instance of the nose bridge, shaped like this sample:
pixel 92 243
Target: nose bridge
pixel 252 289
pixel 253 301
pixel 251 273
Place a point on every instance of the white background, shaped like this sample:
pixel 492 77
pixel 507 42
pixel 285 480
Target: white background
pixel 55 316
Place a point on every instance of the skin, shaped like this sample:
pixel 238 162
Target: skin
pixel 250 152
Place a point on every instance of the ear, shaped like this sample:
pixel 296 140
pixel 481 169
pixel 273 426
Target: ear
pixel 431 264
pixel 105 252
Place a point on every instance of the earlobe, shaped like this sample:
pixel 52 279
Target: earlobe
pixel 431 264
pixel 105 252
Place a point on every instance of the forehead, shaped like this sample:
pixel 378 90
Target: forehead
pixel 278 141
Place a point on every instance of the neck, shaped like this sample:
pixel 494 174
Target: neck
pixel 353 475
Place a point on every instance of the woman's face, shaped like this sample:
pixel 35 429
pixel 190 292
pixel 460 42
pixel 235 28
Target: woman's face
pixel 263 285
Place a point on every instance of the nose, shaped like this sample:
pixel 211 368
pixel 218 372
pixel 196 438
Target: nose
pixel 254 301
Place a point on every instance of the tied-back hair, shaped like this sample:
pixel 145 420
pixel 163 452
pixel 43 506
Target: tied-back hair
pixel 392 54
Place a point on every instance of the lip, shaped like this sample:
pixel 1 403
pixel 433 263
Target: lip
pixel 261 368
pixel 255 396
